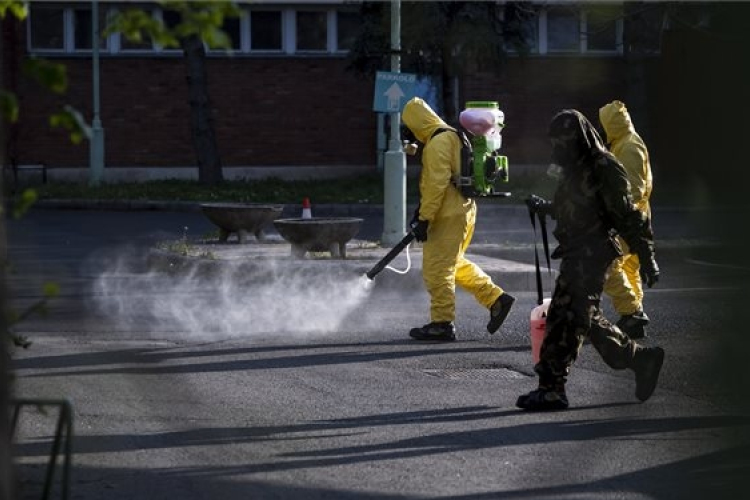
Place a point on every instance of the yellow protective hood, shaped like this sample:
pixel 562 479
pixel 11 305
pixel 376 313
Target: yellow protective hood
pixel 421 119
pixel 615 120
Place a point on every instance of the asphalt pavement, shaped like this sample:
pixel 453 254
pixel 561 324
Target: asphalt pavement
pixel 196 379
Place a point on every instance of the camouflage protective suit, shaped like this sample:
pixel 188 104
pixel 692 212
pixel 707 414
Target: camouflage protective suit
pixel 591 205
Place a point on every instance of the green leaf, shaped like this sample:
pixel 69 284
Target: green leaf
pixel 24 202
pixel 71 120
pixel 17 9
pixel 217 39
pixel 51 75
pixel 51 289
pixel 9 106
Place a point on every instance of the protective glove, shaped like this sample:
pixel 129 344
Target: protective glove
pixel 539 205
pixel 415 216
pixel 419 228
pixel 649 269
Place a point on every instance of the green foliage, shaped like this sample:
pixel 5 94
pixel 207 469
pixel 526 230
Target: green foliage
pixel 203 19
pixel 24 202
pixel 441 37
pixel 9 106
pixel 359 189
pixel 134 23
pixel 52 76
pixel 73 121
pixel 50 291
pixel 16 8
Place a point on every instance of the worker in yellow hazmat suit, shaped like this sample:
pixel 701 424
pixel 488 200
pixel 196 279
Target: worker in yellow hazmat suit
pixel 445 223
pixel 623 284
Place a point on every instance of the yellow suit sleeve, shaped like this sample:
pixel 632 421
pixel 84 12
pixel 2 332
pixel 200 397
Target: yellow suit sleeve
pixel 437 162
pixel 634 160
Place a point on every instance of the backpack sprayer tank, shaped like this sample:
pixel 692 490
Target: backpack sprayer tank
pixel 485 121
pixel 481 165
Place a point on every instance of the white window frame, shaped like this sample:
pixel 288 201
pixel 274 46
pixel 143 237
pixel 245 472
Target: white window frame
pixel 247 34
pixel 289 31
pixel 333 31
pixel 245 31
pixel 543 40
pixel 544 35
pixel 71 29
pixel 114 42
pixel 329 43
pixel 619 33
pixel 66 46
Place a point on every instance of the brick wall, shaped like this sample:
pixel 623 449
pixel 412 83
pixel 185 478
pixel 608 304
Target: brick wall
pixel 530 91
pixel 281 111
pixel 267 112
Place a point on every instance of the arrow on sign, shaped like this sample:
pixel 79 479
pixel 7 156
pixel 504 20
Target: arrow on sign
pixel 394 95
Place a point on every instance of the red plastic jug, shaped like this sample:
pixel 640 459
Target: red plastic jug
pixel 538 328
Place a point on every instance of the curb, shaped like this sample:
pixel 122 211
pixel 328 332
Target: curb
pixel 256 262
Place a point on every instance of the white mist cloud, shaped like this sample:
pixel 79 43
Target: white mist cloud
pixel 232 300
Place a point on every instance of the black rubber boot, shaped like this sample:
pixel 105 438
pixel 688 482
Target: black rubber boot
pixel 438 332
pixel 499 311
pixel 633 325
pixel 647 365
pixel 543 400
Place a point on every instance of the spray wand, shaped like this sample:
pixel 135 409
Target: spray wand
pixel 383 263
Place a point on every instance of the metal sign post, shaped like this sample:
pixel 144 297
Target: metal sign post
pixel 394 201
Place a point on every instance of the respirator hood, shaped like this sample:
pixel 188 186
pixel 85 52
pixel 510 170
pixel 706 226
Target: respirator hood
pixel 422 120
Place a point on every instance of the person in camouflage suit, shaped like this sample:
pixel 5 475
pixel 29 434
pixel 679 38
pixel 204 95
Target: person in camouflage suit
pixel 591 205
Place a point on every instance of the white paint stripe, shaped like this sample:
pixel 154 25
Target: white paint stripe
pixel 694 289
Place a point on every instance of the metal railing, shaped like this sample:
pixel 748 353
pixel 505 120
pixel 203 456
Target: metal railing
pixel 62 442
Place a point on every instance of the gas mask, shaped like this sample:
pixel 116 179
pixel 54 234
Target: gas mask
pixel 409 141
pixel 410 148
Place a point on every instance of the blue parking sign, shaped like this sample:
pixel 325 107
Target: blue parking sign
pixel 392 91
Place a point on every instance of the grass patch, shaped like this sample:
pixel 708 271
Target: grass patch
pixel 359 189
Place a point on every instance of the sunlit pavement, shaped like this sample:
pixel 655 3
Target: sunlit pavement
pixel 220 386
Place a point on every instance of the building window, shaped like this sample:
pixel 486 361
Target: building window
pixel 522 35
pixel 170 18
pixel 602 27
pixel 82 28
pixel 265 30
pixel 312 34
pixel 591 29
pixel 232 27
pixel 563 29
pixel 347 27
pixel 59 28
pixel 145 44
pixel 47 28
